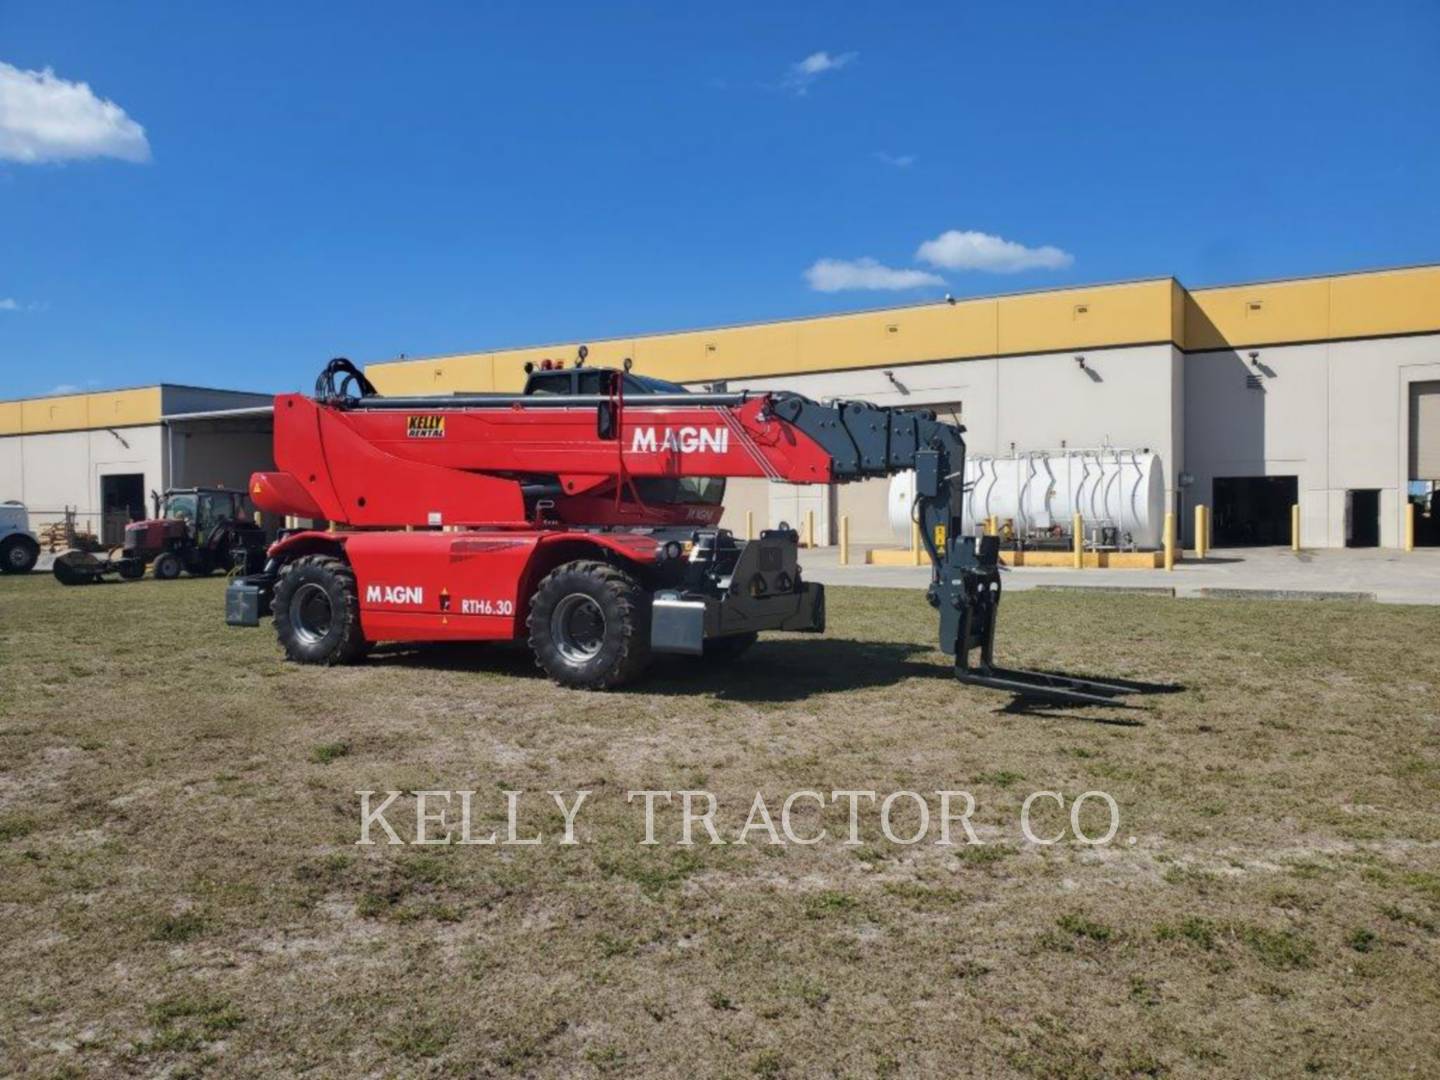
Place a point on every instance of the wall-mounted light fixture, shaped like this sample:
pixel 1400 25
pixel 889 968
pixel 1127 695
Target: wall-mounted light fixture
pixel 1080 362
pixel 1255 360
pixel 896 382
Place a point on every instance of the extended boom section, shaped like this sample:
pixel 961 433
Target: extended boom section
pixel 582 516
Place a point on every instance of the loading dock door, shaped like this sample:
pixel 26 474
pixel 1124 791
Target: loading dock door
pixel 1253 511
pixel 1362 518
pixel 122 500
pixel 1425 431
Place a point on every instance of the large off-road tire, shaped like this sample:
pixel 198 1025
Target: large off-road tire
pixel 166 566
pixel 590 625
pixel 729 648
pixel 130 569
pixel 18 555
pixel 317 612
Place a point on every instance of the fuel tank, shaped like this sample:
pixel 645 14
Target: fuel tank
pixel 1039 492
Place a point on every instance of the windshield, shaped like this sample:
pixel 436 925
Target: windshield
pixel 180 506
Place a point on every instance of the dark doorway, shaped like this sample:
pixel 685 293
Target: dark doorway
pixel 1253 511
pixel 1362 517
pixel 122 500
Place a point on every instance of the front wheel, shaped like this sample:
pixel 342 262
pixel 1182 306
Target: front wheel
pixel 317 612
pixel 590 625
pixel 167 566
pixel 18 555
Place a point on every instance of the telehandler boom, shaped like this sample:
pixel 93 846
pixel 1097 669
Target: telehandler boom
pixel 582 516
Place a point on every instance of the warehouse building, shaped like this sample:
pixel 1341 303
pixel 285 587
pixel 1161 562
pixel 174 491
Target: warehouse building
pixel 1321 393
pixel 98 456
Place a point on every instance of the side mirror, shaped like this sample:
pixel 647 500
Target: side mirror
pixel 605 420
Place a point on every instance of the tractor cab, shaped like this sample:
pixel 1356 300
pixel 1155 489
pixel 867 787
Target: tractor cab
pixel 201 510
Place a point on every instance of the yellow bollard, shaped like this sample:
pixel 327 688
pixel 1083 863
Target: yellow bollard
pixel 844 539
pixel 1295 527
pixel 1077 524
pixel 915 543
pixel 749 524
pixel 1202 532
pixel 1409 526
pixel 1169 541
pixel 810 528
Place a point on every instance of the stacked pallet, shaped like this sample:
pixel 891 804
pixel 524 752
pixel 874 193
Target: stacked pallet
pixel 64 535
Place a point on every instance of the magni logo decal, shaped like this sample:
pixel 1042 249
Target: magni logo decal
pixel 685 440
pixel 394 594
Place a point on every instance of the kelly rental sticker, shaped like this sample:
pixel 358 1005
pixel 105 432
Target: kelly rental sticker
pixel 425 426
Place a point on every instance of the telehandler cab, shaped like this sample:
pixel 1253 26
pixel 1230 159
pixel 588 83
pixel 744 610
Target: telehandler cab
pixel 582 516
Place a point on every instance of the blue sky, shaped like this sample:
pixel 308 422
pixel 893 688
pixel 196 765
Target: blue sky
pixel 272 185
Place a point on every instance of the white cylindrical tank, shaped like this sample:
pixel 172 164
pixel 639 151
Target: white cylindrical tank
pixel 1041 491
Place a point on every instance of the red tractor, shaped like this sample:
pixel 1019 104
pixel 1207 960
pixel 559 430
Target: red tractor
pixel 194 530
pixel 582 516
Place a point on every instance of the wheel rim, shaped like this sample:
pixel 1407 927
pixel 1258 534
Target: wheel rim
pixel 577 626
pixel 311 613
pixel 18 556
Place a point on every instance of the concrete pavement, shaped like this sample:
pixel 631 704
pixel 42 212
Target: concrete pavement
pixel 1385 575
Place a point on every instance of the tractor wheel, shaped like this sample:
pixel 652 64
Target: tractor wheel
pixel 729 648
pixel 317 612
pixel 18 555
pixel 202 564
pixel 130 569
pixel 590 625
pixel 167 566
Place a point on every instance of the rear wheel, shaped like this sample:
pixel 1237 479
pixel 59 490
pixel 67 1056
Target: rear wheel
pixel 317 612
pixel 166 567
pixel 18 555
pixel 590 625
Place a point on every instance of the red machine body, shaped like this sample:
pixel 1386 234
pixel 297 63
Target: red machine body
pixel 466 466
pixel 583 517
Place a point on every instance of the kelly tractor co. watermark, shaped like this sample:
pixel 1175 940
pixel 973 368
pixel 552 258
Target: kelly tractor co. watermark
pixel 688 818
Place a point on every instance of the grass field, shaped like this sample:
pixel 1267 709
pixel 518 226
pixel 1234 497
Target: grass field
pixel 181 892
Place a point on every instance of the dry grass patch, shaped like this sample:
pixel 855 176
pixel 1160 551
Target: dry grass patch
pixel 181 894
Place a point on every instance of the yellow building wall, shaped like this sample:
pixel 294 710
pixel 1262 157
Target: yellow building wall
pixel 78 412
pixel 1398 302
pixel 1145 312
pixel 1387 302
pixel 1135 314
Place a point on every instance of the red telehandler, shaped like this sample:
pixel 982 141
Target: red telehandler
pixel 582 516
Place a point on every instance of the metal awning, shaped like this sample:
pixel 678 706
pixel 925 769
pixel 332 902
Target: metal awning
pixel 251 411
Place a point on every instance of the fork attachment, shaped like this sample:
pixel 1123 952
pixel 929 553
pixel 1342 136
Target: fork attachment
pixel 969 599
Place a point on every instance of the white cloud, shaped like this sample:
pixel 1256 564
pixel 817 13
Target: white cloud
pixel 899 161
pixel 957 250
pixel 805 72
pixel 838 275
pixel 46 118
pixel 9 303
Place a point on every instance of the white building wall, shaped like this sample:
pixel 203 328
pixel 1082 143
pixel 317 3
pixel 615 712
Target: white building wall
pixel 1335 415
pixel 51 471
